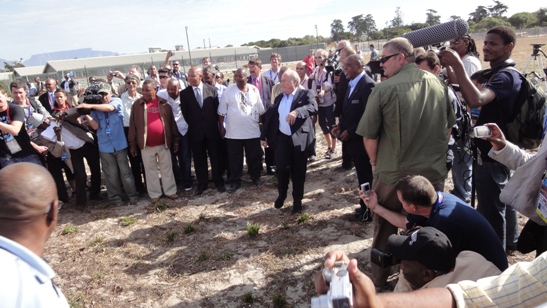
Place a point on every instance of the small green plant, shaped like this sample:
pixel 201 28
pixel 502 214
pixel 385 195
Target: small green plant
pixel 127 221
pixel 98 240
pixel 248 298
pixel 203 256
pixel 70 228
pixel 102 216
pixel 202 216
pixel 98 275
pixel 304 217
pixel 160 206
pixel 189 228
pixel 252 229
pixel 279 301
pixel 170 236
pixel 226 255
pixel 286 225
pixel 76 300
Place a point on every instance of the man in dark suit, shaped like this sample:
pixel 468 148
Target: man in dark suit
pixel 354 103
pixel 291 118
pixel 264 85
pixel 48 99
pixel 340 87
pixel 199 105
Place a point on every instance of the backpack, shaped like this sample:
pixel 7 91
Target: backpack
pixel 525 126
pixel 463 126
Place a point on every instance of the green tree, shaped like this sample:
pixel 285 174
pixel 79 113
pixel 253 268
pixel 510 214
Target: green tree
pixel 523 20
pixel 454 17
pixel 369 25
pixel 337 30
pixel 355 25
pixel 432 17
pixel 498 9
pixel 490 22
pixel 479 14
pixel 418 25
pixel 541 16
pixel 397 21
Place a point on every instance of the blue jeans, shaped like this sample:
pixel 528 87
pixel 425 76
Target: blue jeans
pixel 182 168
pixel 462 166
pixel 115 167
pixel 32 158
pixel 490 179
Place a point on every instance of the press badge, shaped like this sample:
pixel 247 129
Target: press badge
pixel 108 132
pixel 541 208
pixel 355 101
pixel 12 144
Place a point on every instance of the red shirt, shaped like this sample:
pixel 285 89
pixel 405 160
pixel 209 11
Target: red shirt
pixel 310 62
pixel 155 134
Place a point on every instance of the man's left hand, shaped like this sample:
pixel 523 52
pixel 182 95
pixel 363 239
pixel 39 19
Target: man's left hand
pixel 291 117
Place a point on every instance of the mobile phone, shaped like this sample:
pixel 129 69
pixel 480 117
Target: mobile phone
pixel 482 131
pixel 383 259
pixel 318 89
pixel 365 187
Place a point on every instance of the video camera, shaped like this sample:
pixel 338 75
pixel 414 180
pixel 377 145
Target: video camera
pixel 92 95
pixel 341 291
pixel 332 63
pixel 383 259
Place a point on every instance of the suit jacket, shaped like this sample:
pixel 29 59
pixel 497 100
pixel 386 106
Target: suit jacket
pixel 353 107
pixel 44 99
pixel 340 88
pixel 302 131
pixel 202 122
pixel 267 86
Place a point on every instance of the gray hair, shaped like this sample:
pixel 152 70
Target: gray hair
pixel 401 45
pixel 293 75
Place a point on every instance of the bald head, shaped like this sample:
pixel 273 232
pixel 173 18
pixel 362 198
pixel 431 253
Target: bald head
pixel 27 191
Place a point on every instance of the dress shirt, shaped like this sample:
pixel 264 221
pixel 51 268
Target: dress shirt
pixel 284 110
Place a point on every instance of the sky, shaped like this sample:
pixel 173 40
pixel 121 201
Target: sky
pixel 129 27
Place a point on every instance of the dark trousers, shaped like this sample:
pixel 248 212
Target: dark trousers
pixel 182 162
pixel 91 154
pixel 200 151
pixel 253 156
pixel 137 168
pixel 269 157
pixel 356 152
pixel 290 163
pixel 55 166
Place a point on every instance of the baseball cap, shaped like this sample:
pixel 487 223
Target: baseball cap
pixel 104 88
pixel 428 246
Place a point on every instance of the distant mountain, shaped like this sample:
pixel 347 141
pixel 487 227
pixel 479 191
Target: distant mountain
pixel 41 59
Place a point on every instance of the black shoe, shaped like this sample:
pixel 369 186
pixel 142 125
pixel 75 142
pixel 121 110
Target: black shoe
pixel 361 215
pixel 221 188
pixel 271 171
pixel 232 187
pixel 258 181
pixel 296 208
pixel 279 202
pixel 96 197
pixel 199 191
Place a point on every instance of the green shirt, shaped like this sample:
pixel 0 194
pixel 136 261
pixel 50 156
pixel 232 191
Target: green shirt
pixel 409 114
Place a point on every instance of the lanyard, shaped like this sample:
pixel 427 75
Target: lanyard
pixel 275 77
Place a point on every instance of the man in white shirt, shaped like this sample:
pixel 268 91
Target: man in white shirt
pixel 181 169
pixel 273 73
pixel 242 107
pixel 26 223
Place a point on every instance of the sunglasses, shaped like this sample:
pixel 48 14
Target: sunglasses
pixel 384 59
pixel 163 77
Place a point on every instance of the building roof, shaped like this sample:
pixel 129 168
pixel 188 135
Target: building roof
pixel 124 60
pixel 28 71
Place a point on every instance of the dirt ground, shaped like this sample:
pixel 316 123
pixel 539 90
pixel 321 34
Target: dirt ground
pixel 197 251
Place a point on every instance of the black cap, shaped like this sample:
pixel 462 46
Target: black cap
pixel 428 246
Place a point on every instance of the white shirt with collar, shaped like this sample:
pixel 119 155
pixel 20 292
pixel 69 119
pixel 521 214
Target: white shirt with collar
pixel 200 87
pixel 272 75
pixel 26 279
pixel 182 125
pixel 127 103
pixel 353 83
pixel 284 110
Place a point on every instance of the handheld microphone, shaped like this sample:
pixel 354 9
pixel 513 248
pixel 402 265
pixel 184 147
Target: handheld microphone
pixel 438 33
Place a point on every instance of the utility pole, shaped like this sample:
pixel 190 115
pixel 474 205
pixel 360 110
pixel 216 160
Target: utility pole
pixel 188 42
pixel 316 37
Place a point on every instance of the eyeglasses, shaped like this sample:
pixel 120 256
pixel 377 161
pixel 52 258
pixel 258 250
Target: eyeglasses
pixel 163 77
pixel 217 77
pixel 384 59
pixel 319 57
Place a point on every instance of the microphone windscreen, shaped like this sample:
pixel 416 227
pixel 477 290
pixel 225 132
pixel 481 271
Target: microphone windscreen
pixel 438 33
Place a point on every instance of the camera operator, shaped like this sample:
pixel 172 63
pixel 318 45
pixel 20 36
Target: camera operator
pixel 107 119
pixel 464 226
pixel 79 140
pixel 524 285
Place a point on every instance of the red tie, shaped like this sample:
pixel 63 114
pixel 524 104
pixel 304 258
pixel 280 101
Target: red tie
pixel 257 84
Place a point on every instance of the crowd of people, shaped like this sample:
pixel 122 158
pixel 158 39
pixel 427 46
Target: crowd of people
pixel 401 135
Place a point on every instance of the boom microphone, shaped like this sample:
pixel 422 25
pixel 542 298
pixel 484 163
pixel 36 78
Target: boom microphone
pixel 438 33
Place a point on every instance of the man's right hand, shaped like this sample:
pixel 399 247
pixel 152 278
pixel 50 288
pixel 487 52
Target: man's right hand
pixel 364 293
pixel 133 152
pixel 264 143
pixel 371 200
pixel 497 139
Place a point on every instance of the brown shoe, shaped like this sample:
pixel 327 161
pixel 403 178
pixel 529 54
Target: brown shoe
pixel 173 196
pixel 154 200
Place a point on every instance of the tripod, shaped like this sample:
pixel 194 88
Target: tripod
pixel 536 56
